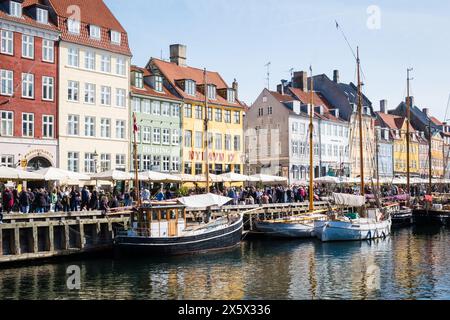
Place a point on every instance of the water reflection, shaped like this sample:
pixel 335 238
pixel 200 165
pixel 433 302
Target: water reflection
pixel 412 264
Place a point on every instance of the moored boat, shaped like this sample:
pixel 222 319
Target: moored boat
pixel 293 227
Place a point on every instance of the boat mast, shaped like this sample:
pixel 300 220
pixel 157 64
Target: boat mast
pixel 408 121
pixel 136 169
pixel 377 150
pixel 361 153
pixel 430 172
pixel 206 130
pixel 311 146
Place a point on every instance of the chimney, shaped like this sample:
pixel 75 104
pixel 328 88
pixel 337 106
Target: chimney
pixel 282 86
pixel 235 87
pixel 300 80
pixel 336 76
pixel 383 106
pixel 410 99
pixel 178 54
pixel 426 111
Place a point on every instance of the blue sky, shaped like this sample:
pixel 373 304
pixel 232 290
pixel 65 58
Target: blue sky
pixel 238 37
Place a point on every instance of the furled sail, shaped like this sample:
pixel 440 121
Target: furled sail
pixel 350 200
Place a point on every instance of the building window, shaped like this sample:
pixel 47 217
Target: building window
pixel 89 93
pixel 105 63
pixel 237 117
pixel 198 112
pixel 237 168
pixel 73 26
pixel 28 125
pixel 120 97
pixel 156 163
pixel 15 9
pixel 136 102
pixel 105 96
pixel 27 85
pixel 48 125
pixel 6 123
pixel 165 163
pixel 210 114
pixel 187 168
pixel 198 168
pixel 89 163
pixel 48 51
pixel 120 162
pixel 218 115
pixel 116 37
pixel 6 78
pixel 227 142
pixel 231 96
pixel 42 16
pixel 72 91
pixel 190 87
pixel 212 92
pixel 48 88
pixel 227 116
pixel 74 57
pixel 166 136
pixel 237 143
pixel 89 126
pixel 295 148
pixel 7 161
pixel 139 80
pixel 156 108
pixel 175 164
pixel 218 142
pixel 120 66
pixel 120 129
pixel 146 135
pixel 158 83
pixel 175 137
pixel 7 42
pixel 146 162
pixel 175 110
pixel 89 60
pixel 188 111
pixel 73 161
pixel 72 125
pixel 165 109
pixel 156 136
pixel 188 138
pixel 198 139
pixel 105 162
pixel 94 32
pixel 105 128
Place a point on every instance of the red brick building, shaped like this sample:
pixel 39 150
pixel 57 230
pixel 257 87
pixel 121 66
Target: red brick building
pixel 28 84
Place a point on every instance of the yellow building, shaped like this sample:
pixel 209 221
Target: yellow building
pixel 437 155
pixel 225 116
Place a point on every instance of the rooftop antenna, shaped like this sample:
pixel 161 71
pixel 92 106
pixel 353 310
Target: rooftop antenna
pixel 291 72
pixel 267 65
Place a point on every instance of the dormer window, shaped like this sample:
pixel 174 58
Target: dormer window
pixel 73 26
pixel 386 134
pixel 15 9
pixel 190 87
pixel 211 92
pixel 231 96
pixel 42 16
pixel 158 83
pixel 94 32
pixel 139 80
pixel 116 37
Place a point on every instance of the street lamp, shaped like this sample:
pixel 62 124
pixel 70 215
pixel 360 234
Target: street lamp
pixel 95 161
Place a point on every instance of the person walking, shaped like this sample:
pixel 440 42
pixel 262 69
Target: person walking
pixel 85 195
pixel 8 200
pixel 24 202
pixel 93 203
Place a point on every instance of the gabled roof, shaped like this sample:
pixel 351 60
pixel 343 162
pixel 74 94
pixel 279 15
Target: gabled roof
pixel 281 97
pixel 148 90
pixel 351 90
pixel 27 19
pixel 92 12
pixel 436 121
pixel 173 72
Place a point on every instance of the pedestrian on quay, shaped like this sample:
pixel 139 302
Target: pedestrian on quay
pixel 160 195
pixel 8 200
pixel 85 195
pixel 104 204
pixel 93 203
pixel 24 202
pixel 41 201
pixel 128 200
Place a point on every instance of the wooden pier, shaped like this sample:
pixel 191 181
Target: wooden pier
pixel 26 237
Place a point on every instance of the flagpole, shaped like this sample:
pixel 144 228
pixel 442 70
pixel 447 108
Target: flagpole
pixel 136 169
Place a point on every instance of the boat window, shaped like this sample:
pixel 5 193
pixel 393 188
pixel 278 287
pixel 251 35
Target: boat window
pixel 173 215
pixel 155 215
pixel 163 214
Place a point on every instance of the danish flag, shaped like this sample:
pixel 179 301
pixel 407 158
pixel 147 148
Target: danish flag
pixel 135 126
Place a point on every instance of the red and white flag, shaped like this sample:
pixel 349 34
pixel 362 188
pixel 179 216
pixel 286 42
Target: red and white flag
pixel 135 126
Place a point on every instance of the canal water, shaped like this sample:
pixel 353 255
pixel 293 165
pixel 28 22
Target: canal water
pixel 412 264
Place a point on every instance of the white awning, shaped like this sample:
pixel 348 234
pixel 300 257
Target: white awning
pixel 204 201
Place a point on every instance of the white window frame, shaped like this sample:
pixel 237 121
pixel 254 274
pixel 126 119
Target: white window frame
pixel 6 123
pixel 105 128
pixel 73 26
pixel 175 137
pixel 139 80
pixel 156 136
pixel 116 37
pixel 146 134
pixel 165 136
pixel 121 162
pixel 7 46
pixel 190 87
pixel 165 109
pixel 146 106
pixel 159 83
pixel 90 92
pixel 89 163
pixel 175 110
pixel 120 129
pixel 7 160
pixel 15 9
pixel 95 32
pixel 73 57
pixel 6 82
pixel 73 125
pixel 121 66
pixel 48 88
pixel 136 102
pixel 48 51
pixel 27 46
pixel 29 122
pixel 73 161
pixel 27 83
pixel 48 126
pixel 212 92
pixel 198 139
pixel 165 164
pixel 89 126
pixel 156 111
pixel 105 65
pixel 89 60
pixel 73 91
pixel 105 96
pixel 42 15
pixel 121 95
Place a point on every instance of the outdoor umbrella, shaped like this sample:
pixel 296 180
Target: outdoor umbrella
pixel 204 201
pixel 55 174
pixel 112 175
pixel 158 177
pixel 7 173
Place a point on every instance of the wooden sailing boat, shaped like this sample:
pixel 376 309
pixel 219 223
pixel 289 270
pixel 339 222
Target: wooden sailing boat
pixel 300 226
pixel 351 227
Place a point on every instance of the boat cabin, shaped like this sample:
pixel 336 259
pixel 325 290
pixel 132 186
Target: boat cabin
pixel 158 221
